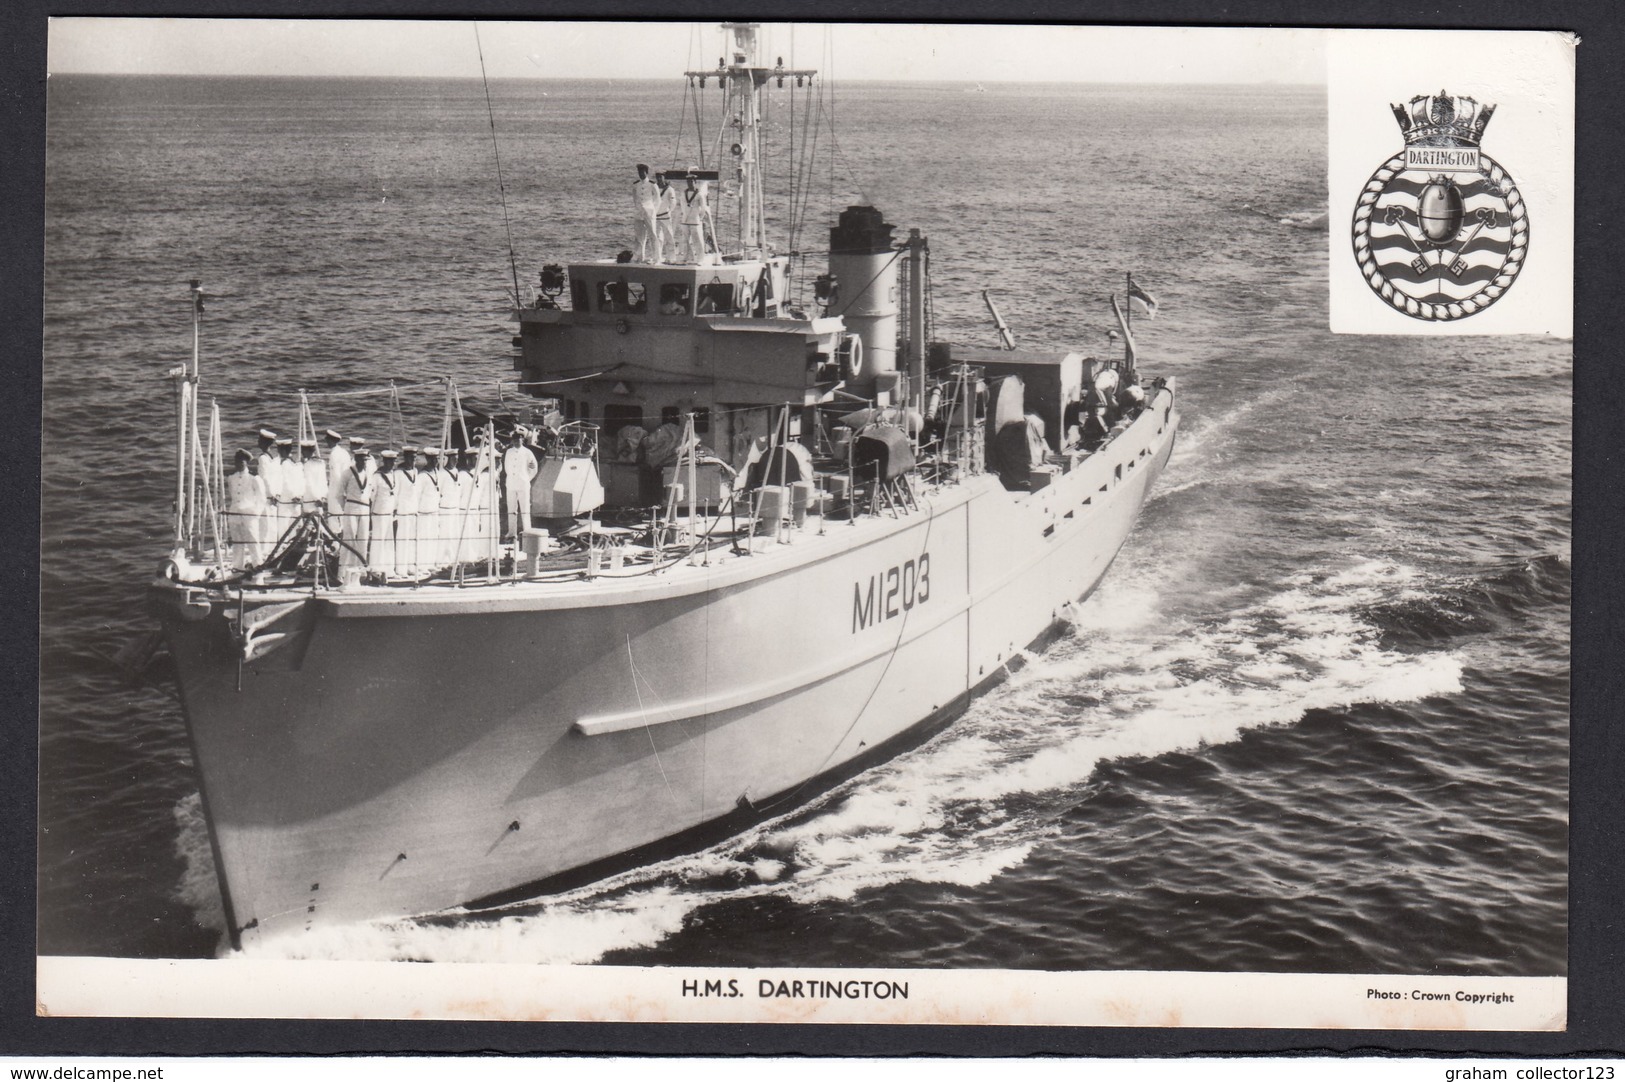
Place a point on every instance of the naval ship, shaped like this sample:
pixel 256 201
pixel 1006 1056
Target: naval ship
pixel 846 533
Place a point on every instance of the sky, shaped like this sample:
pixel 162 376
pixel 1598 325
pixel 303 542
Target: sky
pixel 564 50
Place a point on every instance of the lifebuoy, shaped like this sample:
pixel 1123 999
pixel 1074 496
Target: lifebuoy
pixel 852 348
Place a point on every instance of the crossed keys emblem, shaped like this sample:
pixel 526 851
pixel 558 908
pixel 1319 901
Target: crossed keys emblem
pixel 1420 244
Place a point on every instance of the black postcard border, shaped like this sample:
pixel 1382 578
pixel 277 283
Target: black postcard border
pixel 1597 755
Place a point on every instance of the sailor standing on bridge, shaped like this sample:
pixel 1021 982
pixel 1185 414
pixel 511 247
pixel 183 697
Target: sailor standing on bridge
pixel 665 216
pixel 645 204
pixel 695 209
pixel 357 512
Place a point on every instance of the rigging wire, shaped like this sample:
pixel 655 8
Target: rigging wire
pixel 502 191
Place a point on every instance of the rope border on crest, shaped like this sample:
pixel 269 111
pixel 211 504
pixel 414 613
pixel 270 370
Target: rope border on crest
pixel 1491 291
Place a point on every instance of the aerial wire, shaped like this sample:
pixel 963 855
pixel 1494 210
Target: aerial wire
pixel 502 191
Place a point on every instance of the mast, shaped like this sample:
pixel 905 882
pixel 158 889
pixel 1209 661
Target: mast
pixel 742 77
pixel 185 422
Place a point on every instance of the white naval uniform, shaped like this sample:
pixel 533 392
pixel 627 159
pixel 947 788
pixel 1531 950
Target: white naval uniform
pixel 357 513
pixel 315 471
pixel 270 472
pixel 481 530
pixel 406 521
pixel 519 468
pixel 665 229
pixel 645 204
pixel 692 238
pixel 429 539
pixel 339 460
pixel 293 491
pixel 381 550
pixel 245 518
pixel 454 514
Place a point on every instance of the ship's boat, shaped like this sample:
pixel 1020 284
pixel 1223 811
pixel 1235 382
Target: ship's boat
pixel 764 548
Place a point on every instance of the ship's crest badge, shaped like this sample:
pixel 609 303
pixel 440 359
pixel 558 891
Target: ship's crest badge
pixel 1440 230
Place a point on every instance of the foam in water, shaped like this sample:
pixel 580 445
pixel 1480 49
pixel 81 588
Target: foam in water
pixel 1148 685
pixel 199 889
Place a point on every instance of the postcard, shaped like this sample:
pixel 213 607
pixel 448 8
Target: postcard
pixel 766 522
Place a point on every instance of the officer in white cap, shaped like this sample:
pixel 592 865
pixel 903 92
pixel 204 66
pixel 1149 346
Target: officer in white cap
pixel 357 513
pixel 339 459
pixel 245 514
pixel 269 466
pixel 384 496
pixel 519 469
pixel 407 554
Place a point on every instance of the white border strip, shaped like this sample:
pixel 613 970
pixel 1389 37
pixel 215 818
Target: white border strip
pixel 244 988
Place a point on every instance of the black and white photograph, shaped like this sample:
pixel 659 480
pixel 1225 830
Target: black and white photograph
pixel 764 521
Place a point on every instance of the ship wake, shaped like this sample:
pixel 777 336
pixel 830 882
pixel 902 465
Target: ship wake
pixel 1133 680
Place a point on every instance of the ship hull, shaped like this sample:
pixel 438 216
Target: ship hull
pixel 397 752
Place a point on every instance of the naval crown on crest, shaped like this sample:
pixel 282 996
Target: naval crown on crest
pixel 1440 120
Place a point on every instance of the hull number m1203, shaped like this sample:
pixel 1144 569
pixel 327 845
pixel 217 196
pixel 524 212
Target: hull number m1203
pixel 891 593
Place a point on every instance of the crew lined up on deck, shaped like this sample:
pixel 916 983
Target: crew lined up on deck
pixel 669 226
pixel 405 512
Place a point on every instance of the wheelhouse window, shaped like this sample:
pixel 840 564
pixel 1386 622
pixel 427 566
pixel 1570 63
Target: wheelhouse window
pixel 670 415
pixel 578 295
pixel 675 299
pixel 620 297
pixel 716 297
pixel 702 420
pixel 617 417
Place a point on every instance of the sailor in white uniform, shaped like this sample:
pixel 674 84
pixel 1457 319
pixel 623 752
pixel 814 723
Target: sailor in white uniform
pixel 245 514
pixel 431 522
pixel 315 471
pixel 406 511
pixel 468 504
pixel 519 469
pixel 665 219
pixel 382 496
pixel 269 466
pixel 645 204
pixel 357 513
pixel 487 527
pixel 290 487
pixel 339 459
pixel 452 507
